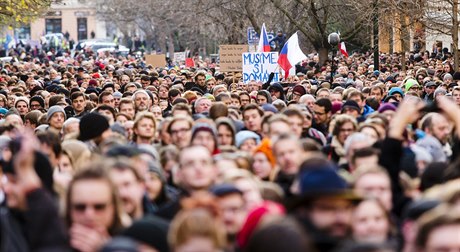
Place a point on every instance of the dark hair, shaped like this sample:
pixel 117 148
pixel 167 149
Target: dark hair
pixel 326 103
pixel 77 94
pixel 52 140
pixel 373 103
pixel 102 95
pixel 252 107
pixel 199 74
pixel 364 152
pixel 54 100
pixel 288 234
pixel 107 107
pixel 173 92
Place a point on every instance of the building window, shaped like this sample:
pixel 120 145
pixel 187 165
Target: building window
pixel 53 25
pixel 82 26
pixel 23 32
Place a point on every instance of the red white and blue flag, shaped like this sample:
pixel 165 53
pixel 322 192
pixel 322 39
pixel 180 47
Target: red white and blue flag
pixel 263 46
pixel 290 54
pixel 343 49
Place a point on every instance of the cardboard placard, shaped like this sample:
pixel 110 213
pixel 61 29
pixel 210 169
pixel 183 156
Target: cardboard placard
pixel 156 60
pixel 258 66
pixel 230 57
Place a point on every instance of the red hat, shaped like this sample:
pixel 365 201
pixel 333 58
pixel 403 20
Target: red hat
pixel 255 217
pixel 93 82
pixel 96 76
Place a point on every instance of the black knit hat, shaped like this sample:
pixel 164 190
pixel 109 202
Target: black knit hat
pixel 150 230
pixel 92 125
pixel 351 104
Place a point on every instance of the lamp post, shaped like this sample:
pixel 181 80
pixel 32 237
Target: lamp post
pixel 333 39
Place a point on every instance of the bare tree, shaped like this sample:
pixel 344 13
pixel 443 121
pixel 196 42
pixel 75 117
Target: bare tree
pixel 315 19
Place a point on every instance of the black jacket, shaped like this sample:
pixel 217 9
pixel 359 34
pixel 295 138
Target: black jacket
pixel 39 228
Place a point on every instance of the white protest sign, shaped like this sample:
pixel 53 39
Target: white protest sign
pixel 179 56
pixel 258 66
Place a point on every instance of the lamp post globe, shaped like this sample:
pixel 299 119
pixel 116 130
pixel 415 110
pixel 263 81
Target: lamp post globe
pixel 333 39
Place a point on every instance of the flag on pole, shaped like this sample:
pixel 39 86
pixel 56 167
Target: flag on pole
pixel 290 54
pixel 263 46
pixel 343 49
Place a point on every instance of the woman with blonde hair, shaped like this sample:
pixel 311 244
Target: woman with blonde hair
pixel 198 226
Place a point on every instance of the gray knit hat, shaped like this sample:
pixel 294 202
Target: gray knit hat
pixel 54 109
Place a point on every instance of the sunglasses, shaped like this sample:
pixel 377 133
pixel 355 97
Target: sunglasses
pixel 81 207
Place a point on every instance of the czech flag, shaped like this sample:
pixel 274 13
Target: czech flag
pixel 290 54
pixel 263 46
pixel 343 49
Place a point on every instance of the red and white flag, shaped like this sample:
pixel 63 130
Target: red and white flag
pixel 343 49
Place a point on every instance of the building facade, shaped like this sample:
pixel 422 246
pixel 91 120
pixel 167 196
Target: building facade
pixel 78 18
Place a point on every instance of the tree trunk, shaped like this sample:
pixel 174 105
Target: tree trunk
pixel 323 55
pixel 171 46
pixel 455 24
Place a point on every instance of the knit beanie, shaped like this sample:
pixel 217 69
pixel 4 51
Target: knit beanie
pixel 266 149
pixel 267 107
pixel 21 98
pixel 299 89
pixel 394 90
pixel 150 230
pixel 410 83
pixel 204 127
pixel 244 135
pixel 54 109
pixel 386 106
pixel 92 125
pixel 351 105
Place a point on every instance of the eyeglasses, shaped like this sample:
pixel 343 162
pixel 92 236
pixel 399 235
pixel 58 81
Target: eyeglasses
pixel 177 131
pixel 81 207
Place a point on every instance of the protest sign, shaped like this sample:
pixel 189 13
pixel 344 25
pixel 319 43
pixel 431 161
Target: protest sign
pixel 156 60
pixel 230 57
pixel 179 56
pixel 258 66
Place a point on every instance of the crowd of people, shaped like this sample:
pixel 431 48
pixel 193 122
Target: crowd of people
pixel 106 153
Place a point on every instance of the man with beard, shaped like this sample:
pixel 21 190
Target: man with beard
pixel 437 129
pixel 141 100
pixel 324 205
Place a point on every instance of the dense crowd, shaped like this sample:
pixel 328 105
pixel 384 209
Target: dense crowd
pixel 107 153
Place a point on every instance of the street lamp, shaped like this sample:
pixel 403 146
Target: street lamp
pixel 333 39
